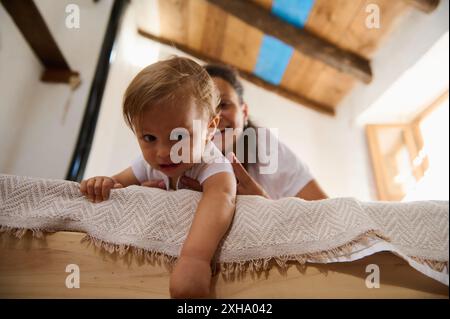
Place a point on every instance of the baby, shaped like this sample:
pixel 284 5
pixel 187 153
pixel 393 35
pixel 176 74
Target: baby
pixel 165 105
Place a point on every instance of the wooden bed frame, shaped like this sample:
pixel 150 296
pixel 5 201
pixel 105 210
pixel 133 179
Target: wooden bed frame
pixel 36 268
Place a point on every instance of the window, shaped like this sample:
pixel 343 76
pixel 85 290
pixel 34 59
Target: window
pixel 410 160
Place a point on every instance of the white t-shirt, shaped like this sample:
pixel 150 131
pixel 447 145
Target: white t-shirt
pixel 290 176
pixel 213 162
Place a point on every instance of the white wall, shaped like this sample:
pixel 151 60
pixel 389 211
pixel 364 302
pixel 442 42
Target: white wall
pixel 19 70
pixel 414 90
pixel 39 122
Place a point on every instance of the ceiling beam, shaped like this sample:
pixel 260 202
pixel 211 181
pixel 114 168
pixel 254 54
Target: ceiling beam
pixel 426 6
pixel 300 39
pixel 31 24
pixel 293 96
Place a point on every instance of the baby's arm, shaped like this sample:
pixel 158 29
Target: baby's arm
pixel 97 188
pixel 192 274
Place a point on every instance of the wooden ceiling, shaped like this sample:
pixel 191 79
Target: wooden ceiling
pixel 317 76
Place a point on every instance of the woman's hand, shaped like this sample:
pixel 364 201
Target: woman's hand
pixel 191 278
pixel 246 184
pixel 97 188
pixel 191 183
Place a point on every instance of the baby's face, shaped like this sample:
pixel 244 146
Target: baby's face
pixel 156 126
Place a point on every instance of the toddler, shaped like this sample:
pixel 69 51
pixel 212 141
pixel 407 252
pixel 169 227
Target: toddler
pixel 171 108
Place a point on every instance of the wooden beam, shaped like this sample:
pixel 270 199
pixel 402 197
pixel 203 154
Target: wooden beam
pixel 293 96
pixel 300 39
pixel 61 76
pixel 426 6
pixel 31 24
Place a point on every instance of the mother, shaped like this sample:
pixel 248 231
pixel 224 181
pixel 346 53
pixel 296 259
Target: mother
pixel 292 178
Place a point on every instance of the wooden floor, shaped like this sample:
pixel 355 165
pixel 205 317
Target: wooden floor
pixel 33 268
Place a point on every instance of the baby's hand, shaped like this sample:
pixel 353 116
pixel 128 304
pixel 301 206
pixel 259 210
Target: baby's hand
pixel 97 188
pixel 191 278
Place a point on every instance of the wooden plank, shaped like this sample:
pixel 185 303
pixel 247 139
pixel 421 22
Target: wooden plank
pixel 301 73
pixel 33 268
pixel 331 86
pixel 291 95
pixel 313 78
pixel 174 19
pixel 426 6
pixel 317 81
pixel 331 19
pixel 242 45
pixel 365 41
pixel 31 24
pixel 266 4
pixel 300 39
pixel 197 12
pixel 214 31
pixel 342 22
pixel 294 96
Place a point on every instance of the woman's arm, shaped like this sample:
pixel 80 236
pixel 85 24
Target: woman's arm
pixel 192 274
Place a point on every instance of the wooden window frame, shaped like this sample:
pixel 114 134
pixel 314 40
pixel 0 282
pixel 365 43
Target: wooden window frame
pixel 413 141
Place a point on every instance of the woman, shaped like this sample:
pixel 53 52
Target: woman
pixel 292 177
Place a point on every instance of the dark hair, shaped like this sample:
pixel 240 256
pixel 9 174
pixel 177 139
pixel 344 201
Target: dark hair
pixel 228 74
pixel 231 76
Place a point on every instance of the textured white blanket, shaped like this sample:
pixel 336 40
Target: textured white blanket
pixel 154 223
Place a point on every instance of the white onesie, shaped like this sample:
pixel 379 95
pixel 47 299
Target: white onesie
pixel 213 162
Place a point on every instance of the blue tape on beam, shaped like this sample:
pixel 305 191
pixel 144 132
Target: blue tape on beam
pixel 273 59
pixel 295 12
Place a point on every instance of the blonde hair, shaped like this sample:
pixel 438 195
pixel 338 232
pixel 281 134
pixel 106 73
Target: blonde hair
pixel 164 80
